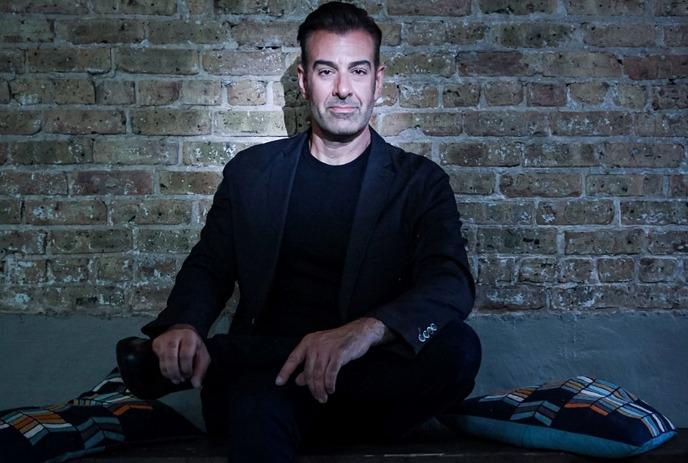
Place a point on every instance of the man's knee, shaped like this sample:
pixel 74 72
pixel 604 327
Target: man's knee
pixel 457 348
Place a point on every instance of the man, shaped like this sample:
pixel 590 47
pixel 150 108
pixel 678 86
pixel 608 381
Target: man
pixel 353 275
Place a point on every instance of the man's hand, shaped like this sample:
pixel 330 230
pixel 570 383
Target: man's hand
pixel 182 355
pixel 323 353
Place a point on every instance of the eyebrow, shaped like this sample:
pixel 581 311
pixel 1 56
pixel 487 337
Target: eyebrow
pixel 322 62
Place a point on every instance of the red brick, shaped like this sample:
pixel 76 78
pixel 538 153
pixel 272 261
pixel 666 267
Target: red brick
pixel 506 123
pixel 12 61
pixel 157 92
pixel 612 270
pixel 671 96
pixel 671 8
pixel 185 32
pixel 518 7
pixel 498 299
pixel 471 183
pixel 157 61
pixel 90 241
pixel 135 151
pixel 540 184
pixel 166 241
pixel 158 7
pixel 503 93
pixel 575 212
pixel 73 151
pixel 203 183
pixel 151 212
pixel 676 36
pixel 494 63
pixel 661 124
pixel 429 8
pixel 516 240
pixel 170 121
pixel 32 183
pixel 482 154
pixel 456 95
pixel 615 35
pixel 55 91
pixel 92 60
pixel 20 122
pixel 497 213
pixel 546 94
pixel 606 7
pixel 642 155
pixel 533 35
pixel 592 123
pixel 23 241
pixel 418 96
pixel 84 121
pixel 420 64
pixel 100 31
pixel 580 64
pixel 678 185
pixel 25 30
pixel 654 212
pixel 45 6
pixel 656 67
pixel 265 34
pixel 604 242
pixel 115 92
pixel 623 185
pixel 10 211
pixel 46 212
pixel 111 182
pixel 239 63
pixel 560 155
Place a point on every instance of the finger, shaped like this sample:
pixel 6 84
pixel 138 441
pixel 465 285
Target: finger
pixel 187 351
pixel 169 365
pixel 331 375
pixel 293 361
pixel 300 379
pixel 310 372
pixel 318 378
pixel 201 363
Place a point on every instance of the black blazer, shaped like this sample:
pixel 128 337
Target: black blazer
pixel 405 263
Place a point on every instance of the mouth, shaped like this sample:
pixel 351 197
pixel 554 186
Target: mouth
pixel 339 109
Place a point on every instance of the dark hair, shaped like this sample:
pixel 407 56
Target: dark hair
pixel 338 17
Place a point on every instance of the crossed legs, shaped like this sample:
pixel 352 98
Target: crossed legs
pixel 378 397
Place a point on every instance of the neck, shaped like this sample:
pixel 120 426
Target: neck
pixel 338 152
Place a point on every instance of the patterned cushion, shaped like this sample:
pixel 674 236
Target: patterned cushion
pixel 104 417
pixel 580 415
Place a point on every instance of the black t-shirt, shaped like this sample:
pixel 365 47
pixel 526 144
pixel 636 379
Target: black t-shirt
pixel 316 235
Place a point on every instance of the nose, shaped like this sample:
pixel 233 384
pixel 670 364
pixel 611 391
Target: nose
pixel 342 88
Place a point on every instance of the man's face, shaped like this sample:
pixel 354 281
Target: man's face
pixel 340 82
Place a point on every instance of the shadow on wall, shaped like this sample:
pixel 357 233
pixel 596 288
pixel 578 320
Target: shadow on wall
pixel 295 108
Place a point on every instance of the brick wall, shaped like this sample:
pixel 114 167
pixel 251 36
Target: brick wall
pixel 563 125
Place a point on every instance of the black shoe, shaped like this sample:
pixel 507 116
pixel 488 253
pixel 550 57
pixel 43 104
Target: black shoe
pixel 140 370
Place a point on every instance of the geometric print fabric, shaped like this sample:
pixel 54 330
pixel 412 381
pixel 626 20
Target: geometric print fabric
pixel 108 415
pixel 555 403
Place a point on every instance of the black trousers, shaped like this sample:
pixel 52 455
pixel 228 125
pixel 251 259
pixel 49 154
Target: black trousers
pixel 378 397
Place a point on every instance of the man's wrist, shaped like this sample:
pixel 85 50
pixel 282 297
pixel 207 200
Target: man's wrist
pixel 377 330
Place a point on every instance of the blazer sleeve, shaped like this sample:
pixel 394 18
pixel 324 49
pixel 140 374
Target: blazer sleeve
pixel 206 279
pixel 442 288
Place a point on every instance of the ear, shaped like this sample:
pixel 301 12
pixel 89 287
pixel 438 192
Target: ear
pixel 303 81
pixel 379 81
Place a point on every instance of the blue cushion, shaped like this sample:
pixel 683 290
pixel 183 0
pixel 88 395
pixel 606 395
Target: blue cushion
pixel 581 415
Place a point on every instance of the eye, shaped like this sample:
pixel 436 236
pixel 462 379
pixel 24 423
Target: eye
pixel 325 72
pixel 360 72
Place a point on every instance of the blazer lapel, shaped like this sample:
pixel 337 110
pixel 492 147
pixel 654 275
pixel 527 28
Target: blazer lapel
pixel 372 198
pixel 277 191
